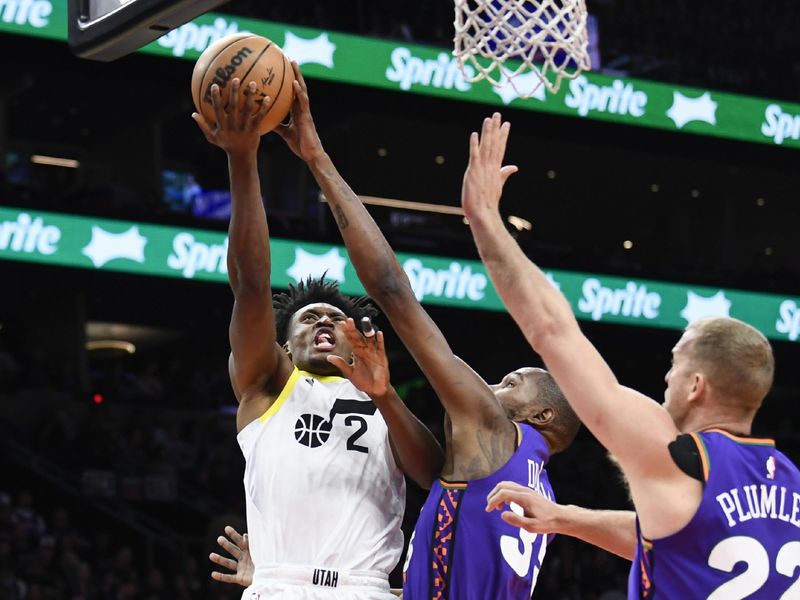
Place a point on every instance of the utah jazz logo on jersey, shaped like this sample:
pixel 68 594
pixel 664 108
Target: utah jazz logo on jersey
pixel 313 430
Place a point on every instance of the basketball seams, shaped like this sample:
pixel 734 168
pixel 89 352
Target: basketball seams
pixel 208 74
pixel 211 62
pixel 255 62
pixel 280 88
pixel 283 76
pixel 243 78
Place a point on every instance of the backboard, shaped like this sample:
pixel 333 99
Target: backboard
pixel 109 29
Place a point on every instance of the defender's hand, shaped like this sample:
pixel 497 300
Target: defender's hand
pixel 241 564
pixel 369 371
pixel 485 176
pixel 540 514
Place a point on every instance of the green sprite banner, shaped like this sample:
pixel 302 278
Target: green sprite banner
pixel 195 254
pixel 433 71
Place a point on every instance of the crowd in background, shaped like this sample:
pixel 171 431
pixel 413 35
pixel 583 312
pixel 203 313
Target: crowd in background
pixel 51 549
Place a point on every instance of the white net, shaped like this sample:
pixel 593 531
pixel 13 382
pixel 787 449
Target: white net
pixel 522 43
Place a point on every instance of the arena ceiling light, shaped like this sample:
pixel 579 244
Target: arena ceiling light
pixel 519 223
pixel 113 345
pixel 126 337
pixel 55 161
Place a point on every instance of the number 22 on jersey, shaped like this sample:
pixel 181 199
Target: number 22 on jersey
pixel 744 549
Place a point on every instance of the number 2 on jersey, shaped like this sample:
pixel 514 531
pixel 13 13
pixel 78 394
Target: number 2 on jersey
pixel 355 411
pixel 362 429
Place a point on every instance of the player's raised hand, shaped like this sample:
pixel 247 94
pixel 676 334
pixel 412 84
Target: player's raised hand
pixel 241 564
pixel 485 175
pixel 540 515
pixel 237 128
pixel 300 134
pixel 369 370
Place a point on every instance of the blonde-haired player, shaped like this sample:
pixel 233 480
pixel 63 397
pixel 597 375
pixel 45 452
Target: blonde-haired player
pixel 717 510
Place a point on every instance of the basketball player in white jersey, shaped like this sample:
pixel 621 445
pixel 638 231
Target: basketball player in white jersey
pixel 323 483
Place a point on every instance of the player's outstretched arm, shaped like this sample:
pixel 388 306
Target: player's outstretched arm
pixel 611 530
pixel 464 394
pixel 415 448
pixel 257 362
pixel 634 428
pixel 238 546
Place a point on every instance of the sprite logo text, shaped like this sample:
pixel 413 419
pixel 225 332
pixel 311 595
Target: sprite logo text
pixel 190 256
pixel 191 36
pixel 31 12
pixel 631 301
pixel 29 235
pixel 408 70
pixel 780 125
pixel 456 282
pixel 619 98
pixel 789 321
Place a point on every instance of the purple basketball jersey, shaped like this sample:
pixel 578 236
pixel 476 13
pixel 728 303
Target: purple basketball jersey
pixel 744 539
pixel 460 552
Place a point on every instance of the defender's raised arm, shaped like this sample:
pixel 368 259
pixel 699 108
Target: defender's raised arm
pixel 462 392
pixel 636 430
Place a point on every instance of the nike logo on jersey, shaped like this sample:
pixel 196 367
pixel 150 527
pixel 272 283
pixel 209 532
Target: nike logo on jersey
pixel 326 578
pixel 310 380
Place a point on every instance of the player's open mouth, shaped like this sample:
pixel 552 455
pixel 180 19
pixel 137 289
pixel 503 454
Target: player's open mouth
pixel 324 340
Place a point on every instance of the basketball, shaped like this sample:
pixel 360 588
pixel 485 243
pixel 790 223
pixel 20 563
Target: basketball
pixel 250 58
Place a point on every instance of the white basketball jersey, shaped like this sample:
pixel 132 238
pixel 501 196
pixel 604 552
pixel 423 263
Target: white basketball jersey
pixel 321 483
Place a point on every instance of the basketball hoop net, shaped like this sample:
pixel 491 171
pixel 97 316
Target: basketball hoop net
pixel 504 40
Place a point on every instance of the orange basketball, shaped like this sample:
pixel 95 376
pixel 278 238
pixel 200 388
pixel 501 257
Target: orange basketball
pixel 250 58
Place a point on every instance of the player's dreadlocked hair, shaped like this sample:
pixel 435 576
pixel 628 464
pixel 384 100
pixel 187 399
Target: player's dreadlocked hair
pixel 312 291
